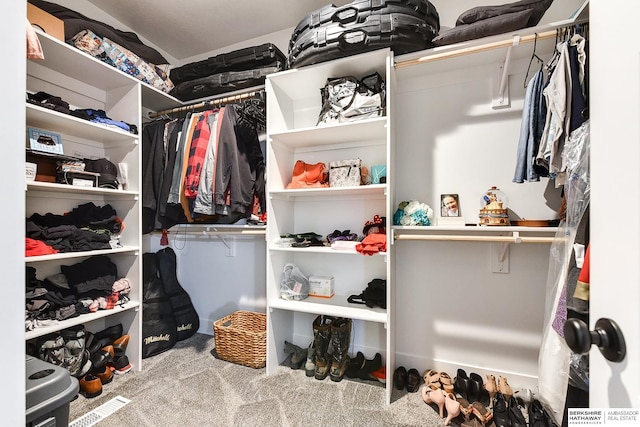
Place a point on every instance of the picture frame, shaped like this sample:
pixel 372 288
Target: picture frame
pixel 45 141
pixel 449 205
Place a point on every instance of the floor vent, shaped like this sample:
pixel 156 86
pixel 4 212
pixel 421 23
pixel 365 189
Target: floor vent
pixel 100 413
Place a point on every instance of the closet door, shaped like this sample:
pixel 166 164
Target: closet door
pixel 615 183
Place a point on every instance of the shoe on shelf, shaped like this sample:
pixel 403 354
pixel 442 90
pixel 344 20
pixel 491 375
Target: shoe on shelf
pixel 491 386
pixel 400 378
pixel 515 414
pixel 504 387
pixel 413 380
pixel 370 365
pixel 90 386
pixel 446 383
pixel 380 374
pixel 452 406
pixel 120 365
pixel 435 396
pixel 500 411
pixel 105 374
pixel 461 383
pixel 355 364
pixel 120 345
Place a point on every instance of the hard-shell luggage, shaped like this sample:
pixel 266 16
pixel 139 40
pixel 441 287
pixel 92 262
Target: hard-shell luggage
pixel 358 10
pixel 401 32
pixel 221 83
pixel 250 58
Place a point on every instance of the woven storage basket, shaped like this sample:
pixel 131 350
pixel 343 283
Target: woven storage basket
pixel 241 338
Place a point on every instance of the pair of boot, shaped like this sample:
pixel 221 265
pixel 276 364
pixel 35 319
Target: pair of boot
pixel 67 349
pixel 331 340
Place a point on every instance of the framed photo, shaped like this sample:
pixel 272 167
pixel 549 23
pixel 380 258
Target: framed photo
pixel 42 140
pixel 449 205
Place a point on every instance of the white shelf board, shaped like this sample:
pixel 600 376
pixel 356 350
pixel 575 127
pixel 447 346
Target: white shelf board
pixel 367 132
pixel 320 250
pixel 373 189
pixel 45 118
pixel 335 306
pixel 78 320
pixel 70 255
pixel 52 187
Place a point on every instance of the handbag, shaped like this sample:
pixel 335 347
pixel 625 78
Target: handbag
pixel 346 99
pixel 345 173
pixel 307 175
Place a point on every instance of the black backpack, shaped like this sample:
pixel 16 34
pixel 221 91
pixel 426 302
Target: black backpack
pixel 375 295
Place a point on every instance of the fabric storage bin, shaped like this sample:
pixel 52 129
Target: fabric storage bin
pixel 345 173
pixel 241 338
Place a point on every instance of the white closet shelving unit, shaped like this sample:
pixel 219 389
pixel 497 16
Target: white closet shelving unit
pixel 293 107
pixel 86 82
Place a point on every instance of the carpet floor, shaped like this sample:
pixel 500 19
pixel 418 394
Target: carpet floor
pixel 187 386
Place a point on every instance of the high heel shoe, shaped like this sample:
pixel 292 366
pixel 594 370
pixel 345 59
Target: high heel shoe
pixel 476 392
pixel 490 386
pixel 436 396
pixel 446 383
pixel 504 387
pixel 452 406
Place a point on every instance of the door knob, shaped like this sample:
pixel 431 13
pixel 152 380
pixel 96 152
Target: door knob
pixel 606 335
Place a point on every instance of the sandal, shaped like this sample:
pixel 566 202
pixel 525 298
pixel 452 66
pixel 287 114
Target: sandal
pixel 446 382
pixel 481 412
pixel 465 407
pixel 430 395
pixel 432 378
pixel 504 387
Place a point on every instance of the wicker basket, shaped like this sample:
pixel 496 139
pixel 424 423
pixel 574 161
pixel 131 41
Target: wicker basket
pixel 241 338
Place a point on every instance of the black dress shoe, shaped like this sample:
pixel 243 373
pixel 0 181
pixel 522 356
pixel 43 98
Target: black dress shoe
pixel 413 380
pixel 536 414
pixel 400 378
pixel 100 358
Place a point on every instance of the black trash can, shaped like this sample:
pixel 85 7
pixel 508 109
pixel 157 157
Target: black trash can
pixel 49 389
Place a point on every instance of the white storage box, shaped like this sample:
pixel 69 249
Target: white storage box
pixel 321 286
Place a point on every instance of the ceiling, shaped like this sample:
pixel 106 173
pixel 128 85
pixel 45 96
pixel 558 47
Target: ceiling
pixel 206 25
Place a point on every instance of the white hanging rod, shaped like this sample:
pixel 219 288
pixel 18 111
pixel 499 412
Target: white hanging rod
pixel 507 42
pixel 453 237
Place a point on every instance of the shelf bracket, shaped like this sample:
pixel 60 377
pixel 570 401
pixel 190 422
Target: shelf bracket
pixel 500 83
pixel 500 257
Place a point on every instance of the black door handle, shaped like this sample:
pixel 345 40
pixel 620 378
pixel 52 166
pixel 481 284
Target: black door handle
pixel 607 335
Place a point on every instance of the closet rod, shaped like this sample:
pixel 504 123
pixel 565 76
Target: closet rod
pixel 208 103
pixel 220 233
pixel 487 46
pixel 495 239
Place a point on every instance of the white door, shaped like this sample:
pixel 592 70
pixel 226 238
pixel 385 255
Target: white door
pixel 615 180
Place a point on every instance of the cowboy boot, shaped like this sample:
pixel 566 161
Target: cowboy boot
pixel 321 339
pixel 340 337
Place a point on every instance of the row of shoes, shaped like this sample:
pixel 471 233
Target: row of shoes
pixel 328 354
pixel 482 403
pixel 107 354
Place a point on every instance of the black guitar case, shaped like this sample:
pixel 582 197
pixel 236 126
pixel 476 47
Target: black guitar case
pixel 185 315
pixel 159 332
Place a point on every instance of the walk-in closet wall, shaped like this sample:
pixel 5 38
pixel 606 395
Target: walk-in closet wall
pixel 449 139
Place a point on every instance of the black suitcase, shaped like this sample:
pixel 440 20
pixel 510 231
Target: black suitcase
pixel 359 10
pixel 255 57
pixel 221 83
pixel 401 32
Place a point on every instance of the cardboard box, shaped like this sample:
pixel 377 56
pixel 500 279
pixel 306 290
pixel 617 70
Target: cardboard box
pixel 46 22
pixel 321 286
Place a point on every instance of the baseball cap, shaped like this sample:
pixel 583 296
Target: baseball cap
pixel 108 172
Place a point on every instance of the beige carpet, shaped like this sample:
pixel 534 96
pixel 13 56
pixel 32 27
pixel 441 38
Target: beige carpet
pixel 187 386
